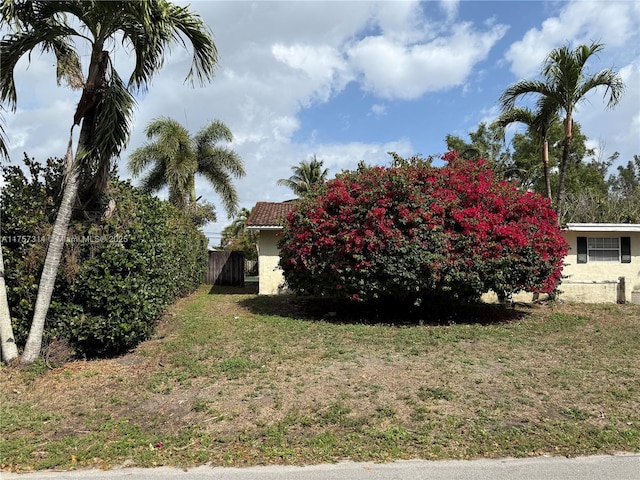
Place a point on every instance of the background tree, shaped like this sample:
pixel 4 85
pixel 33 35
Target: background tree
pixel 584 171
pixel 175 158
pixel 615 200
pixel 305 176
pixel 486 142
pixel 627 181
pixel 539 124
pixel 590 206
pixel 236 236
pixel 105 108
pixel 565 84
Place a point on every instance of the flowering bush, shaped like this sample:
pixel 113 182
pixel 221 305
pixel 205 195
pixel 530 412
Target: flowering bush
pixel 414 231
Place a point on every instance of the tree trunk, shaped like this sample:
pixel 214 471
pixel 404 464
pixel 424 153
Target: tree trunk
pixel 52 260
pixel 7 340
pixel 545 166
pixel 568 123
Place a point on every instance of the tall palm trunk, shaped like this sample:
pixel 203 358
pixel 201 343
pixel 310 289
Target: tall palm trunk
pixel 52 260
pixel 7 340
pixel 545 166
pixel 568 124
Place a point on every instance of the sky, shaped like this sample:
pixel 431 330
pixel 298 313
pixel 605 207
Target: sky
pixel 351 81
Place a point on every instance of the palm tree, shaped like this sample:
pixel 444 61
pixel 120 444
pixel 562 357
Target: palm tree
pixel 7 339
pixel 8 345
pixel 236 236
pixel 539 124
pixel 305 176
pixel 237 227
pixel 175 158
pixel 105 108
pixel 565 84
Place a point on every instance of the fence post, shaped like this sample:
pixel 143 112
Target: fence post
pixel 621 297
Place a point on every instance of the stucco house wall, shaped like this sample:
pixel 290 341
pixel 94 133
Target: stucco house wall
pixel 267 218
pixel 270 277
pixel 594 281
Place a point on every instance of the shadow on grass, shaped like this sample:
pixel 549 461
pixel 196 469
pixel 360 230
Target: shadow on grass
pixel 250 288
pixel 389 313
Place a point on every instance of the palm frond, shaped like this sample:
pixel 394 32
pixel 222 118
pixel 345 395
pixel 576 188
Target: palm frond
pixel 223 186
pixel 221 157
pixel 614 86
pixel 519 90
pixel 213 133
pixel 14 46
pixel 115 118
pixel 205 54
pixel 154 180
pixel 4 149
pixel 163 24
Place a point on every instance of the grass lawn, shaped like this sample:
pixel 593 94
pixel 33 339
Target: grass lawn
pixel 236 379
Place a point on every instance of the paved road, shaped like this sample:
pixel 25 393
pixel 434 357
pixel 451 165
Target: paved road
pixel 618 467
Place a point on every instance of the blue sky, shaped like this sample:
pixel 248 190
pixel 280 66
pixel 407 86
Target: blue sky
pixel 350 81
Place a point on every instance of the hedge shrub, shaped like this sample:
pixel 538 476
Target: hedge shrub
pixel 119 271
pixel 414 231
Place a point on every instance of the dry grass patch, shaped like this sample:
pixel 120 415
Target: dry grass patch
pixel 238 379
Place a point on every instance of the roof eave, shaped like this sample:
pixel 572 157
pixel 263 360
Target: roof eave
pixel 264 227
pixel 603 227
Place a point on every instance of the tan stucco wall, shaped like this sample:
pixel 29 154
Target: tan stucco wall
pixel 270 278
pixel 587 282
pixel 593 282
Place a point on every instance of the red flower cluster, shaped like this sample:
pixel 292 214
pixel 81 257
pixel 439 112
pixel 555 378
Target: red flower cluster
pixel 414 231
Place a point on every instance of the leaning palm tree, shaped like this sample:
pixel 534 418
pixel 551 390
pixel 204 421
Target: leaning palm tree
pixel 539 124
pixel 305 176
pixel 8 345
pixel 175 158
pixel 565 84
pixel 105 108
pixel 7 339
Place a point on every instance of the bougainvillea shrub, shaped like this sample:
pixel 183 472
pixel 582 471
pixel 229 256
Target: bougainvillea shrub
pixel 416 231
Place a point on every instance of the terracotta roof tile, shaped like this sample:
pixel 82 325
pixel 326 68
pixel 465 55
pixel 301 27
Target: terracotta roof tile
pixel 269 214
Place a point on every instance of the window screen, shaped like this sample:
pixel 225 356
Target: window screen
pixel 603 249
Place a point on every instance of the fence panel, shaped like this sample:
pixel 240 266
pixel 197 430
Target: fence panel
pixel 226 268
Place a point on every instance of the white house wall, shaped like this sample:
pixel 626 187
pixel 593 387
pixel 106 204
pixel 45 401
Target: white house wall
pixel 596 282
pixel 270 277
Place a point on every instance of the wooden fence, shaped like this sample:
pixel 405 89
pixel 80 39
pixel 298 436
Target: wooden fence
pixel 226 268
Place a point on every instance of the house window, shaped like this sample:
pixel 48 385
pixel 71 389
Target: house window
pixel 604 249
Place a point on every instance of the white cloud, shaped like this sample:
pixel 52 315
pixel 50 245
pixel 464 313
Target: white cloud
pixel 378 110
pixel 325 71
pixel 613 23
pixel 450 7
pixel 394 70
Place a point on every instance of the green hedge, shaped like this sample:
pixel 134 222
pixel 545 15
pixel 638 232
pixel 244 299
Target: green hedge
pixel 119 270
